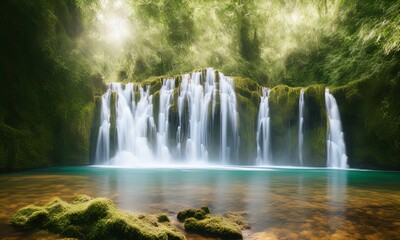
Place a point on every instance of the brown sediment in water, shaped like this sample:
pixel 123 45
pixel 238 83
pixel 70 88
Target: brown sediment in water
pixel 277 205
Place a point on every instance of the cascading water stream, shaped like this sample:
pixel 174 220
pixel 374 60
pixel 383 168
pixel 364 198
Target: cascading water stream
pixel 301 126
pixel 166 101
pixel 197 96
pixel 229 121
pixel 263 130
pixel 336 148
pixel 103 139
pixel 133 124
pixel 205 118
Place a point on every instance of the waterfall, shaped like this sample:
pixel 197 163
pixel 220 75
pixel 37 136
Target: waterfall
pixel 196 93
pixel 263 130
pixel 229 121
pixel 134 122
pixel 301 126
pixel 204 117
pixel 166 101
pixel 103 139
pixel 336 148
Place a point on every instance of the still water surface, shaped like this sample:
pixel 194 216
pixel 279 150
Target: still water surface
pixel 279 203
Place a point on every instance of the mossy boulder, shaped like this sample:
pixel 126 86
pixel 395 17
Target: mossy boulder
pixel 29 217
pixel 196 213
pixel 162 218
pixel 95 218
pixel 201 221
pixel 215 226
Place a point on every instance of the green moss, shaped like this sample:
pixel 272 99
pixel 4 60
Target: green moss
pixel 49 101
pixel 215 226
pixel 162 218
pixel 202 222
pixel 190 213
pixel 81 199
pixel 205 210
pixel 19 147
pixel 284 109
pixel 90 218
pixel 315 126
pixel 370 114
pixel 248 99
pixel 113 123
pixel 156 106
pixel 29 217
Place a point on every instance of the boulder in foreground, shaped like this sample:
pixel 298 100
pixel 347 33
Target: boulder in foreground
pixel 201 221
pixel 98 218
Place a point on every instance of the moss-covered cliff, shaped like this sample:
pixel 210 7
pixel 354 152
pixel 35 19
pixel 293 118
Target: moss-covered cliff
pixel 46 93
pixel 48 83
pixel 370 112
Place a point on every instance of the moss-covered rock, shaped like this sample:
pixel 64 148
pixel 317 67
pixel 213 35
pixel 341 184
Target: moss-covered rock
pixel 30 217
pixel 162 218
pixel 193 213
pixel 214 226
pixel 201 221
pixel 95 218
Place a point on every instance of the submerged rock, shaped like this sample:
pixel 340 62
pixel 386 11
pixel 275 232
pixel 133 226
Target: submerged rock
pixel 196 213
pixel 201 221
pixel 95 218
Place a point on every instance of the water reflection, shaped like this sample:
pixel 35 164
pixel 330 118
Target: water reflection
pixel 284 203
pixel 337 197
pixel 257 199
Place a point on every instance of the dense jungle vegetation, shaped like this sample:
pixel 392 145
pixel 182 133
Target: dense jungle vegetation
pixel 56 55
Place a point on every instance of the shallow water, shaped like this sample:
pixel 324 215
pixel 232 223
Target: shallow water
pixel 279 203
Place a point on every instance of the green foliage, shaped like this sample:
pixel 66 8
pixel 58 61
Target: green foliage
pixel 54 54
pixel 242 38
pixel 297 43
pixel 91 218
pixel 46 106
pixel 363 43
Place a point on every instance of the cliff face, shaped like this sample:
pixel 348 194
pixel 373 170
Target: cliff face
pixel 49 113
pixel 46 93
pixel 370 115
pixel 370 111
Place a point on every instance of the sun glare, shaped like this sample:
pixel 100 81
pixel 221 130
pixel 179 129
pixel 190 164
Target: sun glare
pixel 113 20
